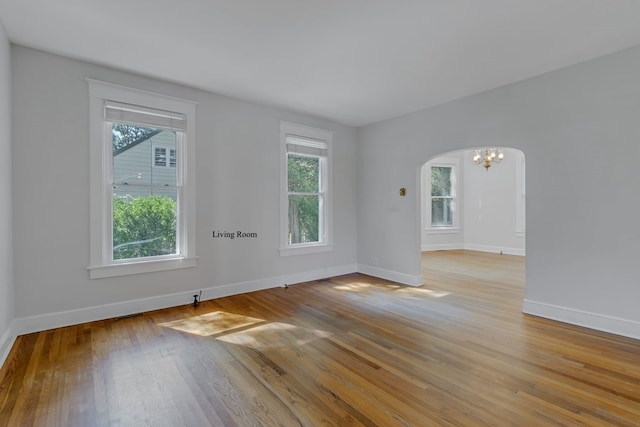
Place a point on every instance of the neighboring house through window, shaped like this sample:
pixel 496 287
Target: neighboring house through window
pixel 142 181
pixel 306 189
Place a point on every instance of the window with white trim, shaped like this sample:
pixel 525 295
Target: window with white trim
pixel 142 181
pixel 306 189
pixel 521 196
pixel 442 197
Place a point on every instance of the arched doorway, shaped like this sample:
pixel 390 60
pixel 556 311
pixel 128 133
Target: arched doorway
pixel 467 206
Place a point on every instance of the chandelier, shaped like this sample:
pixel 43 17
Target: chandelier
pixel 489 157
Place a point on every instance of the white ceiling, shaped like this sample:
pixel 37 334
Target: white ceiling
pixel 352 61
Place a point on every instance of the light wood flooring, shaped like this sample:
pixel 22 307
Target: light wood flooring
pixel 352 350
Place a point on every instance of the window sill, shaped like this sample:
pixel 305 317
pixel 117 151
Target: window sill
pixel 305 249
pixel 139 267
pixel 443 230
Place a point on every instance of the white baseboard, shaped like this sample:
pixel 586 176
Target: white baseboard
pixel 6 342
pixel 494 249
pixel 394 276
pixel 26 325
pixel 473 247
pixel 600 322
pixel 442 247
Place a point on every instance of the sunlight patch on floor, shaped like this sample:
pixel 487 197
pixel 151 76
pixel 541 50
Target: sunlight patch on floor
pixel 360 286
pixel 422 291
pixel 213 323
pixel 246 331
pixel 355 287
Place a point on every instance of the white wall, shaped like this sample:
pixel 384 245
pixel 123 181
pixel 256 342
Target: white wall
pixel 6 233
pixel 237 189
pixel 579 130
pixel 491 205
pixel 490 216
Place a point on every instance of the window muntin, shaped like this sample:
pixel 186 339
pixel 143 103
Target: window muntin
pixel 122 171
pixel 306 183
pixel 442 196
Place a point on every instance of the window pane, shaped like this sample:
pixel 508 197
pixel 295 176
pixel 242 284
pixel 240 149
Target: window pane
pixel 441 212
pixel 140 155
pixel 304 212
pixel 160 157
pixel 441 181
pixel 144 222
pixel 303 173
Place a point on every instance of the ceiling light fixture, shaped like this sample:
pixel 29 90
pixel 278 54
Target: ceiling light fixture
pixel 490 156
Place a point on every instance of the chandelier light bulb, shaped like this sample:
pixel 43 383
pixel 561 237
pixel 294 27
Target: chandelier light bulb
pixel 491 156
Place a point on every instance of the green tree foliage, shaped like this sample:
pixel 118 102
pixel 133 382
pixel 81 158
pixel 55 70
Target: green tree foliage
pixel 143 226
pixel 303 177
pixel 124 134
pixel 440 181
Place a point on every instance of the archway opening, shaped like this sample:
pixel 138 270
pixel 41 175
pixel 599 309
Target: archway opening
pixel 467 204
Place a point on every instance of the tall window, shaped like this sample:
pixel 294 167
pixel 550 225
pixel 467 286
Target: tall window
pixel 521 196
pixel 306 200
pixel 145 201
pixel 442 196
pixel 142 198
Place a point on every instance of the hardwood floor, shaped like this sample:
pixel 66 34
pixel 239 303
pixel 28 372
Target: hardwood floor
pixel 352 350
